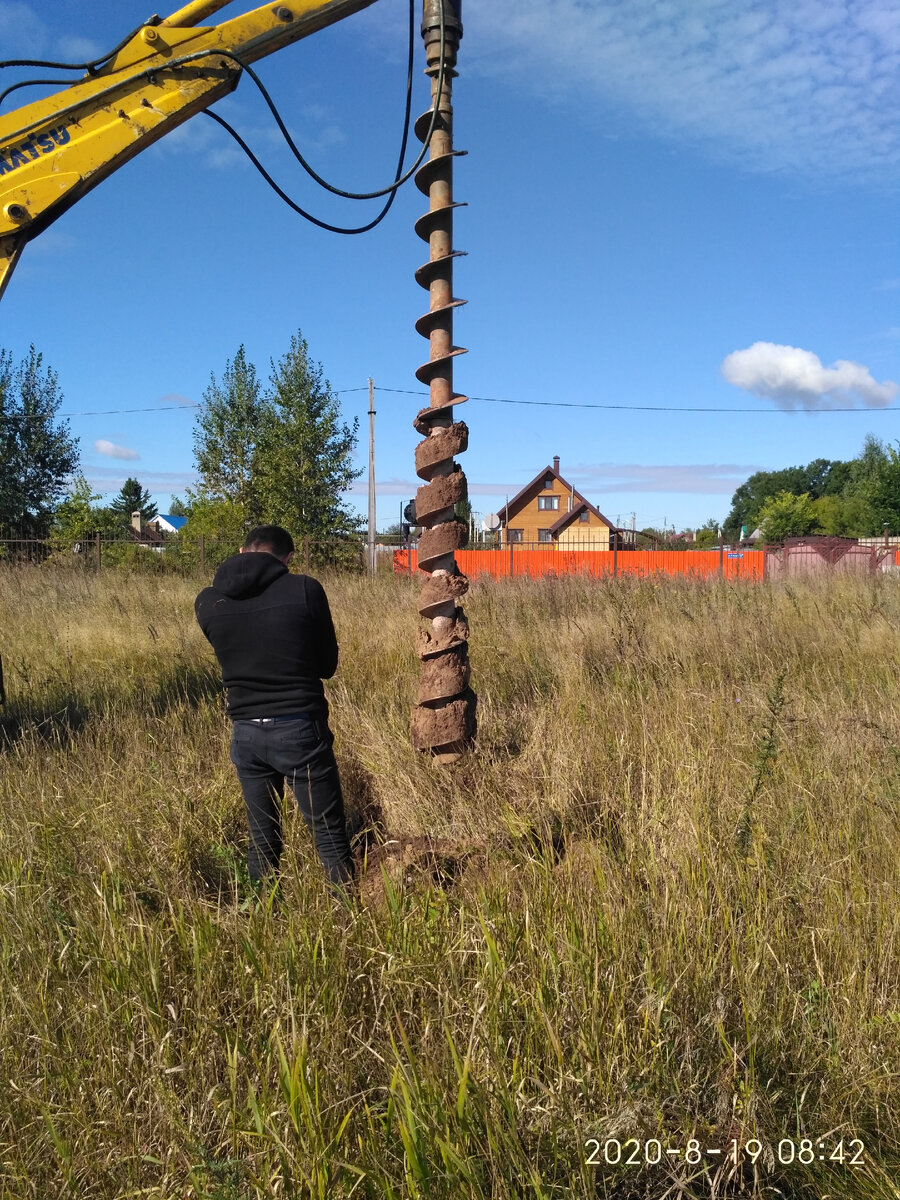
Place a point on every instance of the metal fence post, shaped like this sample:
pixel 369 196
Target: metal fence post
pixel 615 538
pixel 721 555
pixel 510 554
pixel 306 553
pixel 202 552
pixel 97 550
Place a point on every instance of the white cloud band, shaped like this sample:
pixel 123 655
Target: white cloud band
pixel 809 87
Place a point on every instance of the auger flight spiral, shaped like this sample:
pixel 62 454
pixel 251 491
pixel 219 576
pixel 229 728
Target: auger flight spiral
pixel 443 721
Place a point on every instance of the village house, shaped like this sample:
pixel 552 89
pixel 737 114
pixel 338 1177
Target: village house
pixel 549 511
pixel 167 523
pixel 144 533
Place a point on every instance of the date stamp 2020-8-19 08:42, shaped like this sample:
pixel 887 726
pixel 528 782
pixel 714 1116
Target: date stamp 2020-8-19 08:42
pixel 636 1152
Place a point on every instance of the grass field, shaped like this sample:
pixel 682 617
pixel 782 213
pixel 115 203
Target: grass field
pixel 660 903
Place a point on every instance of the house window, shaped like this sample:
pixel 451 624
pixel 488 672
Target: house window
pixel 548 483
pixel 583 516
pixel 514 535
pixel 544 535
pixel 548 502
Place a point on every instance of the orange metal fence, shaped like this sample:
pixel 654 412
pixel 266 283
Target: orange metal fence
pixel 501 564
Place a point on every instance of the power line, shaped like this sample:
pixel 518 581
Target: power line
pixel 653 407
pixel 155 408
pixel 109 412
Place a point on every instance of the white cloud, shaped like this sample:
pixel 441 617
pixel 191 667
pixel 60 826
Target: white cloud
pixel 110 479
pixel 111 450
pixel 22 32
pixel 25 34
pixel 810 87
pixel 388 487
pixel 595 479
pixel 203 140
pixel 699 479
pixel 75 48
pixel 791 376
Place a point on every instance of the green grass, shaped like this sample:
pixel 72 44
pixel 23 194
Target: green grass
pixel 660 902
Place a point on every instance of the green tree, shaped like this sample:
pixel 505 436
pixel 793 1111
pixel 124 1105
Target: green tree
pixel 846 515
pixel 220 523
pixel 821 477
pixel 869 462
pixel 78 516
pixel 229 424
pixel 132 498
pixel 880 489
pixel 832 518
pixel 707 536
pixel 749 498
pixel 304 463
pixel 787 515
pixel 859 515
pixel 832 480
pixel 178 507
pixel 37 452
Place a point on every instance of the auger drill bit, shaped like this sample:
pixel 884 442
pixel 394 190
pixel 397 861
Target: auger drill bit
pixel 443 721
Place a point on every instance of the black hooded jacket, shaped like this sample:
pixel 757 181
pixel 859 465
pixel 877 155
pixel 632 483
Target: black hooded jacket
pixel 273 636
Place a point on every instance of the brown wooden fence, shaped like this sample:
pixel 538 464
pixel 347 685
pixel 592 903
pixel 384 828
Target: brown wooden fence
pixel 827 556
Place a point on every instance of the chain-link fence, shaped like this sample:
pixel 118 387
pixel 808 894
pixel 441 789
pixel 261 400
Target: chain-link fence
pixel 161 554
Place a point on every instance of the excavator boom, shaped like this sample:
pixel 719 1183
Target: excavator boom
pixel 54 150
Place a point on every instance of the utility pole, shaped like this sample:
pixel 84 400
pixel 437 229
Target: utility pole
pixel 372 563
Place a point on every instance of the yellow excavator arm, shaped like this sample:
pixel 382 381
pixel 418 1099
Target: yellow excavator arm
pixel 55 150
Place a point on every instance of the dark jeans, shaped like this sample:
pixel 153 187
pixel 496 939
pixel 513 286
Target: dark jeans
pixel 298 750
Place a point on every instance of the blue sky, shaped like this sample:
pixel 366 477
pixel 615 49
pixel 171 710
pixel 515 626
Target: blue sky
pixel 687 203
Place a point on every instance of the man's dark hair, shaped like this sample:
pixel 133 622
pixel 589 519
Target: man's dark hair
pixel 270 538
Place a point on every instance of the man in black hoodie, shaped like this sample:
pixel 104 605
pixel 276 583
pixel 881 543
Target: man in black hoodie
pixel 274 638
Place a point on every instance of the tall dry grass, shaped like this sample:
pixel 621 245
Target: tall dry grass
pixel 659 902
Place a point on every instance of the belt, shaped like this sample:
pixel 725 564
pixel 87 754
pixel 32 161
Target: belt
pixel 277 720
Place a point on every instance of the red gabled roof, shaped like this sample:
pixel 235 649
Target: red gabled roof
pixel 523 496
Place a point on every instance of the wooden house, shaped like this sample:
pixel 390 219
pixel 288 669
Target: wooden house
pixel 551 511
